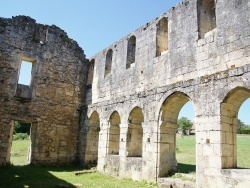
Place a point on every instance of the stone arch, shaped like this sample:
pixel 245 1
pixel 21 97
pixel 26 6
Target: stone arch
pixel 135 133
pixel 114 133
pixel 168 115
pixel 162 36
pixel 108 62
pixel 92 139
pixel 229 109
pixel 206 16
pixel 131 48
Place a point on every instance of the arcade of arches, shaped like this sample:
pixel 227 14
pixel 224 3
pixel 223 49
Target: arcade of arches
pixel 119 110
pixel 132 142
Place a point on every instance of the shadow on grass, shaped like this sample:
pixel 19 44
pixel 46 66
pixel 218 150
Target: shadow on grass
pixel 33 177
pixel 186 168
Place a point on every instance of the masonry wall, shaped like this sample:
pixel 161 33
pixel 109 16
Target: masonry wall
pixel 53 99
pixel 202 70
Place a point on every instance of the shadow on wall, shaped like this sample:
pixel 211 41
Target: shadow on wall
pixel 33 177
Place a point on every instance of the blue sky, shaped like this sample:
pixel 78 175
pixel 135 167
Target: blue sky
pixel 243 114
pixel 95 24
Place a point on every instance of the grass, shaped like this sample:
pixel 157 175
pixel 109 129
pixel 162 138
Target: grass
pixel 185 153
pixel 19 152
pixel 51 177
pixel 26 176
pixel 243 151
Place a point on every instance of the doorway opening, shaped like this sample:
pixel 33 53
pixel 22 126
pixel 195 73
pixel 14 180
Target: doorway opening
pixel 235 129
pixel 176 154
pixel 243 135
pixel 21 144
pixel 185 140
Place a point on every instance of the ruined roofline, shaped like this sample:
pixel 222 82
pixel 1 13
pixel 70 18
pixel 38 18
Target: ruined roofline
pixel 145 26
pixel 22 19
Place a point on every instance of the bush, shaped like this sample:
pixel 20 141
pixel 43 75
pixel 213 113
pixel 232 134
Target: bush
pixel 21 136
pixel 20 127
pixel 245 131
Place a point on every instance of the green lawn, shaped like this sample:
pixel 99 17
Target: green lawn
pixel 19 152
pixel 243 150
pixel 186 153
pixel 50 177
pixel 20 175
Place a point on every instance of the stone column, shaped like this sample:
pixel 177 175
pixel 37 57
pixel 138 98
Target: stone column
pixel 5 140
pixel 102 145
pixel 123 149
pixel 33 150
pixel 208 150
pixel 167 148
pixel 149 152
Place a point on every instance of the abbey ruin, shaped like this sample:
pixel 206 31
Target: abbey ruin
pixel 120 107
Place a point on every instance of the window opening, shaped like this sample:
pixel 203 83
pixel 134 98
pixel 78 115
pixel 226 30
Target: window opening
pixel 25 73
pixel 162 36
pixel 108 63
pixel 131 51
pixel 91 72
pixel 206 17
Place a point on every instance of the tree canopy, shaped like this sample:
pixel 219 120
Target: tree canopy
pixel 21 127
pixel 185 124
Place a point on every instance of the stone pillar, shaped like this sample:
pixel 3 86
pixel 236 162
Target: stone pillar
pixel 6 132
pixel 167 147
pixel 33 150
pixel 123 149
pixel 102 145
pixel 208 150
pixel 149 153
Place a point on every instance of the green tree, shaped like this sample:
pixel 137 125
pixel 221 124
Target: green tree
pixel 185 124
pixel 241 127
pixel 21 127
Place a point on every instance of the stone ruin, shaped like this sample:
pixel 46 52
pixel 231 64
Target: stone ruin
pixel 119 109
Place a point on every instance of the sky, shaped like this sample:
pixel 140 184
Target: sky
pixel 96 24
pixel 243 114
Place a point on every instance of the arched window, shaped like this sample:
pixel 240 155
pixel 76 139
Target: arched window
pixel 131 51
pixel 162 36
pixel 114 134
pixel 206 16
pixel 91 72
pixel 135 133
pixel 108 63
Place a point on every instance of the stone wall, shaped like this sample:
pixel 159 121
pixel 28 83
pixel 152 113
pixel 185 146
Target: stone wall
pixel 206 61
pixel 52 100
pixel 120 109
